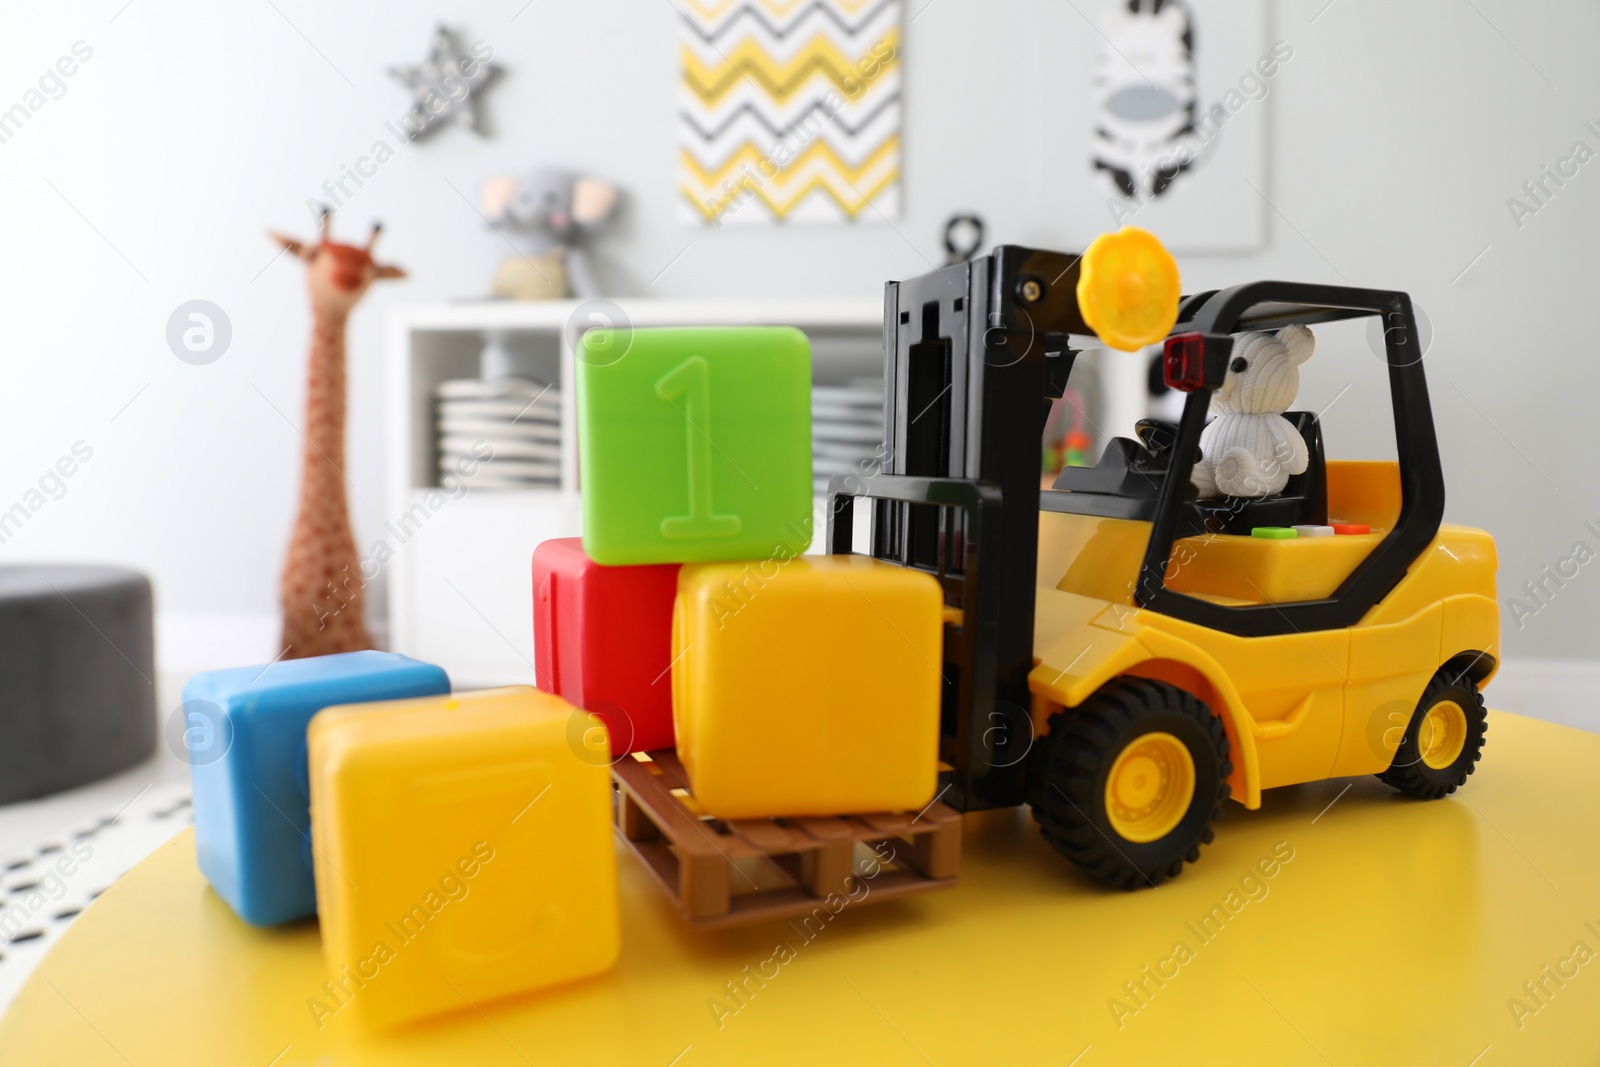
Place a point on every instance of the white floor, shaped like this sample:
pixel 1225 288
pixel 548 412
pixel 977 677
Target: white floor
pixel 108 827
pixel 59 853
pixel 1557 690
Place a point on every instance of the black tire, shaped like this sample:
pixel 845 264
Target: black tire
pixel 1409 773
pixel 1068 770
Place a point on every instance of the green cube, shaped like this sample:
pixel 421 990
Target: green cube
pixel 694 444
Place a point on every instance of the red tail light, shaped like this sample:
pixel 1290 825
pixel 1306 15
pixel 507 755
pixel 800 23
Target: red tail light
pixel 1193 361
pixel 1184 361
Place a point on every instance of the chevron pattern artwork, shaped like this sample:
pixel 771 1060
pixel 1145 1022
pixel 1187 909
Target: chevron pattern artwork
pixel 789 111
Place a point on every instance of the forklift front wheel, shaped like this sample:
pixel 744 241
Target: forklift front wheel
pixel 1127 784
pixel 1444 740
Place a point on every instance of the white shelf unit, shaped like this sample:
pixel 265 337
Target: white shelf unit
pixel 460 592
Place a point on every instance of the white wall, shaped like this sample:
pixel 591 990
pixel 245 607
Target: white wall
pixel 1397 134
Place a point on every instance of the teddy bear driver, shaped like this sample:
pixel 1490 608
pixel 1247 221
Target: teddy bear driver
pixel 1249 449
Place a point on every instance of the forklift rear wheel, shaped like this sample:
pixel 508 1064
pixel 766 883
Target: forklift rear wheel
pixel 1127 784
pixel 1444 740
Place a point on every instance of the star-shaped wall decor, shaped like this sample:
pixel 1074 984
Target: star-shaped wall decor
pixel 445 85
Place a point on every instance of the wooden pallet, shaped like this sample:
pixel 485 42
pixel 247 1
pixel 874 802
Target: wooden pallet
pixel 731 872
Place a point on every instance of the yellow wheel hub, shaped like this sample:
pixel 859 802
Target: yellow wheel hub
pixel 1150 787
pixel 1442 735
pixel 1128 288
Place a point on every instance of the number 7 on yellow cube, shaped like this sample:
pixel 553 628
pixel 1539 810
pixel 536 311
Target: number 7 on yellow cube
pixel 462 850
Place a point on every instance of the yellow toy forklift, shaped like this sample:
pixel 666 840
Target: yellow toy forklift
pixel 1122 653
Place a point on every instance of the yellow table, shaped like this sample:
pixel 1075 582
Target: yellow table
pixel 1399 932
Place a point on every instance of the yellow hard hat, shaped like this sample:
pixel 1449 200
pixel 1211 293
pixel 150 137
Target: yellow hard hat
pixel 1128 288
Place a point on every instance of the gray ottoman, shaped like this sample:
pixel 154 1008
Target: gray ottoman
pixel 77 676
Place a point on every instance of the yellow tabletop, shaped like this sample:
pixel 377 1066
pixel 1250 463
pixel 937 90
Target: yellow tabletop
pixel 1461 931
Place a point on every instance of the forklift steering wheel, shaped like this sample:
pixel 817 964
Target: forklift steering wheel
pixel 1158 436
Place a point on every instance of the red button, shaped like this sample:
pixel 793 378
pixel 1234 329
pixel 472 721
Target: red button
pixel 1351 528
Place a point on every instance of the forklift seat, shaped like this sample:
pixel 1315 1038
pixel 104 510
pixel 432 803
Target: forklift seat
pixel 1303 501
pixel 1132 471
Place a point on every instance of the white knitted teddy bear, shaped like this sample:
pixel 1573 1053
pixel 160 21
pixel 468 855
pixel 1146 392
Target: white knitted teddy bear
pixel 1249 449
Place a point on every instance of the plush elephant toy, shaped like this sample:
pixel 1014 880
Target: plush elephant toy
pixel 1249 449
pixel 562 211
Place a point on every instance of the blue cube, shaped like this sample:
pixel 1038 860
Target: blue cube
pixel 245 735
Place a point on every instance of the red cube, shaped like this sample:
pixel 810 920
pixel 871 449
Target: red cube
pixel 602 640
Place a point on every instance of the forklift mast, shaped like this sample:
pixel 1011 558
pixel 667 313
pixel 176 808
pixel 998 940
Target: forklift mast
pixel 973 355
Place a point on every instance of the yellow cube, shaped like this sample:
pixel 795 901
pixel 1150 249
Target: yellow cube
pixel 463 851
pixel 807 687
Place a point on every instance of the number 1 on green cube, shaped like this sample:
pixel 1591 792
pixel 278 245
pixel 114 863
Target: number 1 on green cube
pixel 690 380
pixel 694 444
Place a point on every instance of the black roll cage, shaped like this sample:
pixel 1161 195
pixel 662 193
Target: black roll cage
pixel 1270 305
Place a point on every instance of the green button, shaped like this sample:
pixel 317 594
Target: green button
pixel 1274 533
pixel 694 444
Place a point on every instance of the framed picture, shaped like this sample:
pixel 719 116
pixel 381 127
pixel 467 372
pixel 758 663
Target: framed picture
pixel 1162 109
pixel 788 112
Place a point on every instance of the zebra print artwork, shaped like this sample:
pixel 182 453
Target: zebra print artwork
pixel 1144 97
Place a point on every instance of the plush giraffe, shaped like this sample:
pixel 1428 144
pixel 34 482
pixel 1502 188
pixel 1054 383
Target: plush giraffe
pixel 322 585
